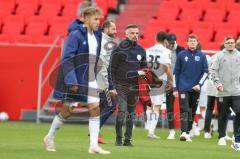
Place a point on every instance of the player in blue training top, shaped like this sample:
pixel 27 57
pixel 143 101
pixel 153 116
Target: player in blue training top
pixel 191 70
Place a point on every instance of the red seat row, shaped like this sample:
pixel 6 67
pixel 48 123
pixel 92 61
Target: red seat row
pixel 32 20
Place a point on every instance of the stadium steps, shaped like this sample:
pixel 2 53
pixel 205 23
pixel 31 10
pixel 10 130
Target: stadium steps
pixel 138 12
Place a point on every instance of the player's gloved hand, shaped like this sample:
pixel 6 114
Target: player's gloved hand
pixel 141 73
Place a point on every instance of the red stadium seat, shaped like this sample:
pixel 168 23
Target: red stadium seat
pixel 49 2
pixel 226 26
pixel 182 25
pixel 35 29
pixel 13 28
pixel 234 16
pixel 70 11
pixel 59 21
pixel 211 46
pixel 50 10
pixel 204 35
pixel 4 38
pixel 221 34
pixel 170 4
pixel 22 2
pixel 36 19
pixel 191 15
pixel 156 25
pixel 167 15
pixel 202 25
pixel 44 40
pixel 231 6
pixel 193 5
pixel 22 39
pixel 58 30
pixel 71 2
pixel 215 15
pixel 112 4
pixel 218 5
pixel 27 9
pixel 7 7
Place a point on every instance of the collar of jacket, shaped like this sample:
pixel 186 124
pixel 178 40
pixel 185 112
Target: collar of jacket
pixel 132 43
pixel 83 28
pixel 192 52
pixel 233 52
pixel 108 38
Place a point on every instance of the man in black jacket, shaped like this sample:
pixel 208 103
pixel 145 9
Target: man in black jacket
pixel 175 49
pixel 126 63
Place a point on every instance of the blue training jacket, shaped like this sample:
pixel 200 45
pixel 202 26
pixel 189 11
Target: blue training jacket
pixel 74 25
pixel 191 69
pixel 74 65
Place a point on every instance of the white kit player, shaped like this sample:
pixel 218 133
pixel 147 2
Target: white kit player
pixel 159 60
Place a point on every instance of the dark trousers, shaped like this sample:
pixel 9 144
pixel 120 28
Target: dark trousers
pixel 237 136
pixel 170 109
pixel 126 109
pixel 209 112
pixel 224 103
pixel 107 107
pixel 188 106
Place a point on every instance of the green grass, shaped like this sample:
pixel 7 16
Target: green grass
pixel 19 140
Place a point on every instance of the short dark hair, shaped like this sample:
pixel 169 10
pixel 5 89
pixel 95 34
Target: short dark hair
pixel 107 24
pixel 161 36
pixel 228 38
pixel 131 26
pixel 171 37
pixel 192 36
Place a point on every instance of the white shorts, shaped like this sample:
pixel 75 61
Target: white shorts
pixel 90 101
pixel 203 99
pixel 158 99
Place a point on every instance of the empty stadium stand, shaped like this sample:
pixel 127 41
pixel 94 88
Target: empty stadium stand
pixel 210 20
pixel 40 21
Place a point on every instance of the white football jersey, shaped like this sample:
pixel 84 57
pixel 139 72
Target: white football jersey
pixel 158 55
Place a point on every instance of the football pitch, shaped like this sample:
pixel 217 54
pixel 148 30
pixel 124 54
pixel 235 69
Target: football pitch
pixel 23 140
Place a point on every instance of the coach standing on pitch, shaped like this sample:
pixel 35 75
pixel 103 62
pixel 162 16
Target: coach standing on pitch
pixel 107 94
pixel 226 77
pixel 191 70
pixel 126 62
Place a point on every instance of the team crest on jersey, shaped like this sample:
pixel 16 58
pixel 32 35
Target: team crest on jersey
pixel 186 58
pixel 139 57
pixel 197 58
pixel 84 42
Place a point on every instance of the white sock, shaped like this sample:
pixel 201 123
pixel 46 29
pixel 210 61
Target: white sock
pixel 203 114
pixel 154 121
pixel 57 122
pixel 148 114
pixel 94 126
